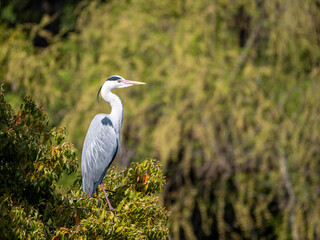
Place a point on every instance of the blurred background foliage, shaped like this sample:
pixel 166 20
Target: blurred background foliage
pixel 231 105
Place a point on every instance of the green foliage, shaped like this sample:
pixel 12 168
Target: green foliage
pixel 33 158
pixel 19 223
pixel 231 106
pixel 29 167
pixel 134 193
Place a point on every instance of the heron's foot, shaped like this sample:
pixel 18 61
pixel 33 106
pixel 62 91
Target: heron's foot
pixel 98 205
pixel 112 209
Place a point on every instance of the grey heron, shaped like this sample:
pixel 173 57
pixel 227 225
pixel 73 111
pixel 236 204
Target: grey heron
pixel 102 141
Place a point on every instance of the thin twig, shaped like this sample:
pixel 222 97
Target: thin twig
pixel 292 199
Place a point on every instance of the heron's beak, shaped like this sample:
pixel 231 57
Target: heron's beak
pixel 132 82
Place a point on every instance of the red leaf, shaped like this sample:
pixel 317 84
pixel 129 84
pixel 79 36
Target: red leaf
pixel 145 178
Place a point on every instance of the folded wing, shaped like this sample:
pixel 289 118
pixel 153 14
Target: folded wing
pixel 99 150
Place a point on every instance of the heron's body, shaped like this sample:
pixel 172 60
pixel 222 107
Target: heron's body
pixel 102 141
pixel 100 148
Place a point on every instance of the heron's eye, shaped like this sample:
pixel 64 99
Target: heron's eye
pixel 119 80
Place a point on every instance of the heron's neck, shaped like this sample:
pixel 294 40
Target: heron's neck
pixel 116 114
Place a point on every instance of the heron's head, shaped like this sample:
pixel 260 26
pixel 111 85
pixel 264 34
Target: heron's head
pixel 116 81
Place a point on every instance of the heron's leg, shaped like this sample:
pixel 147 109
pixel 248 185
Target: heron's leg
pixel 111 208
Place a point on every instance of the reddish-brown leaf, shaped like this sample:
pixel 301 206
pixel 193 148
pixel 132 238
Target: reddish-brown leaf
pixel 145 178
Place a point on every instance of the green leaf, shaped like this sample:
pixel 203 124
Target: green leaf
pixel 119 229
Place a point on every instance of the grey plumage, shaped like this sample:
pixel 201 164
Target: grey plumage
pixel 99 150
pixel 102 141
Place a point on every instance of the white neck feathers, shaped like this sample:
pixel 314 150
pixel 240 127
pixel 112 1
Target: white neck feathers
pixel 116 114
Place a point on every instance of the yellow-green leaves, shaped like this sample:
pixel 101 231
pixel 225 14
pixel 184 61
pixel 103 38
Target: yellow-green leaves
pixel 138 215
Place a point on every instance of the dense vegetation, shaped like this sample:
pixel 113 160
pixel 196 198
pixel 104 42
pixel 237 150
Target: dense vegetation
pixel 231 105
pixel 32 159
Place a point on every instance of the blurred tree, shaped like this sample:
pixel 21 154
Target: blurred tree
pixel 43 19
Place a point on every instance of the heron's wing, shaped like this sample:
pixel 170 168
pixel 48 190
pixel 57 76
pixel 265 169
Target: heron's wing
pixel 99 149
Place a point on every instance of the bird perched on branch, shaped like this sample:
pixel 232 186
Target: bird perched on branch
pixel 102 141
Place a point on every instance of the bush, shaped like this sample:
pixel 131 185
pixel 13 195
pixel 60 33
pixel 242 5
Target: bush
pixel 33 158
